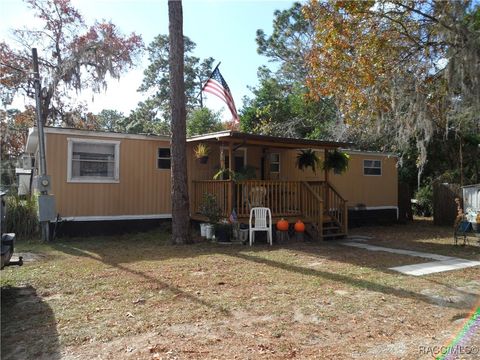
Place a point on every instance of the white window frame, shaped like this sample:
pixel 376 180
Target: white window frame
pixel 271 162
pixel 164 158
pixel 372 167
pixel 93 179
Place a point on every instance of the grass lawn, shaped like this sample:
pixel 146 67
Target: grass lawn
pixel 137 297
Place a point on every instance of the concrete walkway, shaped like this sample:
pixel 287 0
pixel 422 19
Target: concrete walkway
pixel 441 263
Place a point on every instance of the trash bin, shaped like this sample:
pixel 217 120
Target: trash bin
pixel 209 231
pixel 203 229
pixel 243 232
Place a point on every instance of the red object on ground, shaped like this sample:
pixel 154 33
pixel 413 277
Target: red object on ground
pixel 282 225
pixel 299 226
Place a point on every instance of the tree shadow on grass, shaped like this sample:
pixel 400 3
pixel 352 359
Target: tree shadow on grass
pixel 327 251
pixel 351 281
pixel 75 251
pixel 421 235
pixel 28 326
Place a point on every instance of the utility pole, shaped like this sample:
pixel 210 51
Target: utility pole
pixel 38 112
pixel 43 180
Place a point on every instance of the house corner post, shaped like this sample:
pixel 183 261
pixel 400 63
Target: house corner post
pixel 230 201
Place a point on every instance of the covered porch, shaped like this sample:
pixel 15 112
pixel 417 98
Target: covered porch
pixel 277 184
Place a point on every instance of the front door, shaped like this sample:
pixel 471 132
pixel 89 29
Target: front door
pixel 239 162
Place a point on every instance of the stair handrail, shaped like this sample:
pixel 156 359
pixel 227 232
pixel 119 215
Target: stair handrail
pixel 334 190
pixel 317 222
pixel 317 196
pixel 340 214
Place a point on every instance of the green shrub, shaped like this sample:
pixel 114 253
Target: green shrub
pixel 424 197
pixel 21 216
pixel 210 209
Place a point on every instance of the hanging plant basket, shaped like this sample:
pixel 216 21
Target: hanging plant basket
pixel 307 158
pixel 337 161
pixel 201 153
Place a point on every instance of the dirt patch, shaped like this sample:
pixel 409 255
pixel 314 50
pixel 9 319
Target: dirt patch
pixel 466 297
pixel 30 256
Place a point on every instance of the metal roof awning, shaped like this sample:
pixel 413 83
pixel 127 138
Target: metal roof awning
pixel 231 136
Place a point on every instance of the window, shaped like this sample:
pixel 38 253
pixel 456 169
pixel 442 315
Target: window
pixel 93 160
pixel 164 158
pixel 275 163
pixel 372 167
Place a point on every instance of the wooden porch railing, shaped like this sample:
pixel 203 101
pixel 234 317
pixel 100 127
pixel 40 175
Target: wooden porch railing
pixel 220 188
pixel 282 197
pixel 311 200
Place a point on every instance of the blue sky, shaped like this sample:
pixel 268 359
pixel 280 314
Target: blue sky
pixel 224 30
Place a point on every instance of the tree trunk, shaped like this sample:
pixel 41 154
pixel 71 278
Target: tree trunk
pixel 180 202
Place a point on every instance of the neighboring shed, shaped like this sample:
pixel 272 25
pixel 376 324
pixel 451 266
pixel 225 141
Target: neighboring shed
pixel 471 198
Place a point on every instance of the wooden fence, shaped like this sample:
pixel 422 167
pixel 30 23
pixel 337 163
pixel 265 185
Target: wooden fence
pixel 444 207
pixel 405 196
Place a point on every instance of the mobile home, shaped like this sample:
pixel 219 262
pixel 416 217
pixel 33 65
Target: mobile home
pixel 100 177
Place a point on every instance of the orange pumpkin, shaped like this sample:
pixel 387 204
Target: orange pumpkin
pixel 299 226
pixel 282 225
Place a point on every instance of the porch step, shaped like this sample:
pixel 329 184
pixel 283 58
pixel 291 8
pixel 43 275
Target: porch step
pixel 331 229
pixel 336 235
pixel 327 228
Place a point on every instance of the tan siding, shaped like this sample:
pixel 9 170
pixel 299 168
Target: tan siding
pixel 290 172
pixel 352 185
pixel 198 171
pixel 359 189
pixel 142 189
pixel 254 158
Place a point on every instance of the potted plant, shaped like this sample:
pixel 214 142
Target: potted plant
pixel 247 172
pixel 223 174
pixel 210 209
pixel 307 158
pixel 201 153
pixel 337 161
pixel 223 231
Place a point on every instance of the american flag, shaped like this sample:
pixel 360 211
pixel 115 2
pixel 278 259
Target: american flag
pixel 233 217
pixel 217 86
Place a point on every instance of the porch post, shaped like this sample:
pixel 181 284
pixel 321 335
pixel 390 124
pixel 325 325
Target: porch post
pixel 230 183
pixel 230 158
pixel 325 171
pixel 222 157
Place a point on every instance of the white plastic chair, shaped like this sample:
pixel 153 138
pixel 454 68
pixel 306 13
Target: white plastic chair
pixel 257 196
pixel 262 221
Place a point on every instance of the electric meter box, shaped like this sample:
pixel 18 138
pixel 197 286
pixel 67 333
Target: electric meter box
pixel 46 208
pixel 43 183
